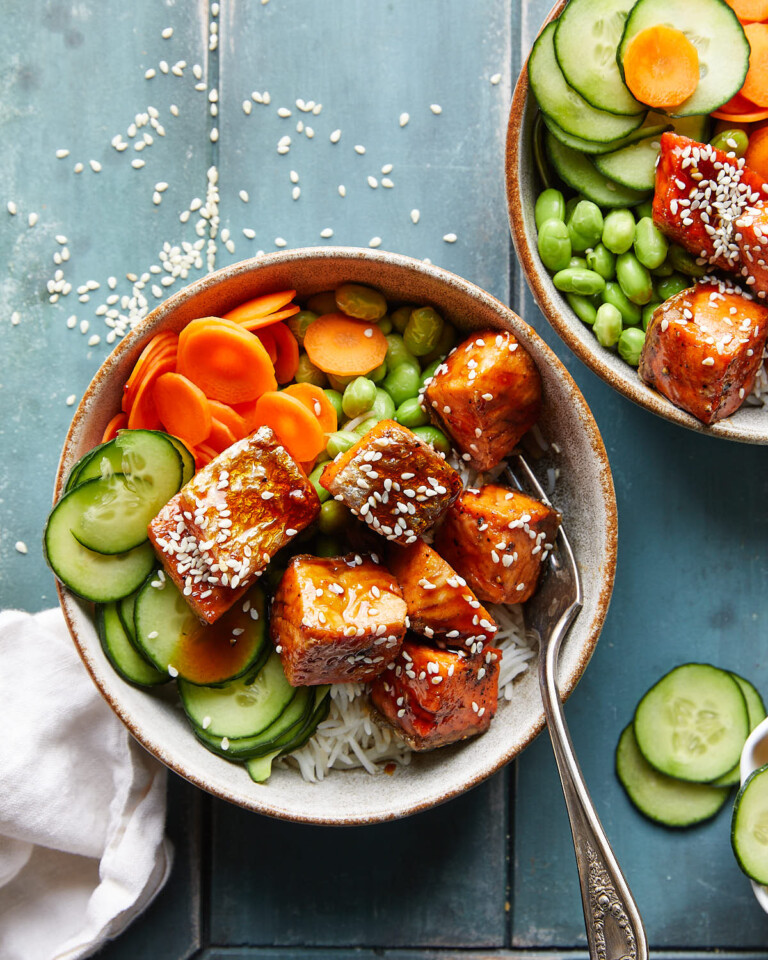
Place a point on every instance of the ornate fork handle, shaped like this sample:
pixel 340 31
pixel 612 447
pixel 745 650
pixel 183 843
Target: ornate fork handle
pixel 614 927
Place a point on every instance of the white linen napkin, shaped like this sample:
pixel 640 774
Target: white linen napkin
pixel 82 805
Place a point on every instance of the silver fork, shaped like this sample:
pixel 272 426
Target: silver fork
pixel 614 927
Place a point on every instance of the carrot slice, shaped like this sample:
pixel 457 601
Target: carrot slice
pixel 296 426
pixel 227 415
pixel 756 157
pixel 267 339
pixel 287 362
pixel 247 411
pixel 118 422
pixel 314 399
pixel 183 408
pixel 161 344
pixel 260 306
pixel 344 347
pixel 755 86
pixel 661 67
pixel 220 436
pixel 749 11
pixel 260 322
pixel 225 361
pixel 143 414
pixel 204 454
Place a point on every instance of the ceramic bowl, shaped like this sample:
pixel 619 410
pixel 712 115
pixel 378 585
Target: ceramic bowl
pixel 749 424
pixel 584 493
pixel 754 755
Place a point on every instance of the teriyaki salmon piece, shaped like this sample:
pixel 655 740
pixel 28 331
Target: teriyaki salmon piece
pixel 435 697
pixel 337 619
pixel 498 539
pixel 486 395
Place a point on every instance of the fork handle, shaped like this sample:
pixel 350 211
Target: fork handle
pixel 614 927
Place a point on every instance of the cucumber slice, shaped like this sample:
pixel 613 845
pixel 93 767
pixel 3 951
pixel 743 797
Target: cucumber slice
pixel 260 769
pixel 72 479
pixel 187 460
pixel 693 723
pixel 148 457
pixel 122 654
pixel 756 714
pixel 176 642
pixel 589 146
pixel 586 39
pixel 240 708
pixel 125 608
pixel 92 576
pixel 714 29
pixel 675 803
pixel 113 514
pixel 561 103
pixel 580 173
pixel 749 826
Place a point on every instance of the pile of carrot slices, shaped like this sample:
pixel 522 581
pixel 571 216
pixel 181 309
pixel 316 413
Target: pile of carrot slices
pixel 751 103
pixel 217 381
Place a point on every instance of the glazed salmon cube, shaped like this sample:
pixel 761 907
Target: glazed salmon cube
pixel 703 349
pixel 247 503
pixel 435 697
pixel 441 606
pixel 752 239
pixel 393 481
pixel 497 539
pixel 336 620
pixel 485 396
pixel 188 566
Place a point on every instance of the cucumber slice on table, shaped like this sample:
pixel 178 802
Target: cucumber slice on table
pixel 120 651
pixel 586 39
pixel 578 171
pixel 756 714
pixel 714 29
pixel 560 102
pixel 693 723
pixel 667 800
pixel 749 826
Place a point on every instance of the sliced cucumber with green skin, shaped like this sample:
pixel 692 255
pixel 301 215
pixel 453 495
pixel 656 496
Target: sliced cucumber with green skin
pixel 92 576
pixel 591 147
pixel 714 29
pixel 667 800
pixel 692 724
pixel 586 39
pixel 125 608
pixel 113 514
pixel 149 457
pixel 580 173
pixel 260 768
pixel 187 460
pixel 756 714
pixel 560 102
pixel 120 651
pixel 749 826
pixel 74 473
pixel 239 709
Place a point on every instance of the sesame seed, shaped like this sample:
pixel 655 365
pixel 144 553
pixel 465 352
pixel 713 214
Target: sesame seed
pixel 404 118
pixel 62 154
pixel 359 148
pixel 450 237
pixel 21 547
pixel 167 33
pixel 342 190
pixel 495 79
pixel 375 242
pixel 415 215
pixel 326 233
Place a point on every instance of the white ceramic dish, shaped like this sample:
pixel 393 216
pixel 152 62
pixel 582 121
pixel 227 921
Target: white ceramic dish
pixel 754 755
pixel 584 494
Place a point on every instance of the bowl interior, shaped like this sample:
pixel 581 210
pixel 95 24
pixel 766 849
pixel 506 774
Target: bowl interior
pixel 755 755
pixel 584 493
pixel 749 424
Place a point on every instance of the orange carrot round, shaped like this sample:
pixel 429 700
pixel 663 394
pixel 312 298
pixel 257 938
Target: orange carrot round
pixel 220 436
pixel 297 427
pixel 117 423
pixel 314 399
pixel 225 361
pixel 756 83
pixel 287 362
pixel 661 67
pixel 756 157
pixel 161 345
pixel 142 414
pixel 259 322
pixel 261 306
pixel 203 455
pixel 749 11
pixel 344 347
pixel 247 411
pixel 227 415
pixel 267 339
pixel 183 408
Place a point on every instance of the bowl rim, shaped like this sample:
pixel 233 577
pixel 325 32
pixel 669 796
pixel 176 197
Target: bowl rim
pixel 70 604
pixel 629 385
pixel 747 766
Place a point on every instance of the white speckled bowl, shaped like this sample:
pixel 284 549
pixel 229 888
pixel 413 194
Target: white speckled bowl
pixel 754 755
pixel 584 494
pixel 749 424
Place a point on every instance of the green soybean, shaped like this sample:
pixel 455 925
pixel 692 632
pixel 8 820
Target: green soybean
pixel 630 345
pixel 607 325
pixel 385 324
pixel 578 263
pixel 378 374
pixel 307 372
pixel 684 262
pixel 322 303
pixel 400 318
pixel 397 352
pixel 383 406
pixel 602 261
pixel 444 346
pixel 327 547
pixel 403 382
pixel 299 322
pixel 663 270
pixel 550 205
pixel 554 245
pixel 361 302
pixel 644 209
pixel 422 332
pixel 651 245
pixel 411 414
pixel 634 279
pixel 574 280
pixel 579 243
pixel 630 312
pixel 583 307
pixel 648 311
pixel 358 397
pixel 364 426
pixel 335 398
pixel 668 287
pixel 428 372
pixel 333 518
pixel 732 141
pixel 435 438
pixel 314 479
pixel 339 442
pixel 587 221
pixel 619 231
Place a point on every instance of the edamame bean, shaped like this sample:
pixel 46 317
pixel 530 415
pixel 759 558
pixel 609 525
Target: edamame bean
pixel 444 346
pixel 670 286
pixel 587 221
pixel 385 324
pixel 411 414
pixel 339 383
pixel 435 438
pixel 361 302
pixel 602 261
pixel 428 372
pixel 583 307
pixel 585 282
pixel 321 303
pixel 333 518
pixel 644 209
pixel 379 373
pixel 554 244
pixel 579 243
pixel 397 352
pixel 578 263
pixel 358 397
pixel 307 372
pixel 400 318
pixel 630 312
pixel 339 442
pixel 648 311
pixel 422 332
pixel 650 244
pixel 685 262
pixel 631 344
pixel 634 279
pixel 335 398
pixel 570 206
pixel 732 141
pixel 314 479
pixel 619 231
pixel 327 547
pixel 550 205
pixel 298 324
pixel 607 325
pixel 664 270
pixel 403 382
pixel 383 406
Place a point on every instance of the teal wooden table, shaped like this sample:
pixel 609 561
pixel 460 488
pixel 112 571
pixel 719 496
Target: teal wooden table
pixel 419 91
